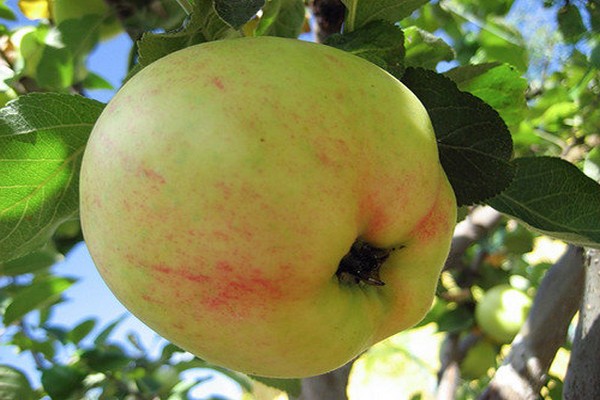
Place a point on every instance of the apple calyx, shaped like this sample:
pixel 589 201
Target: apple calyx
pixel 362 263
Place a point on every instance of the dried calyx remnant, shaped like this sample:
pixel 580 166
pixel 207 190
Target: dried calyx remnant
pixel 362 264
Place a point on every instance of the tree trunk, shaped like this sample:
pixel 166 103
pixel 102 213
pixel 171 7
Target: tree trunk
pixel 330 386
pixel 523 372
pixel 583 376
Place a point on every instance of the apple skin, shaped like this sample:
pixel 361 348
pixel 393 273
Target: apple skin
pixel 501 312
pixel 63 10
pixel 478 360
pixel 223 184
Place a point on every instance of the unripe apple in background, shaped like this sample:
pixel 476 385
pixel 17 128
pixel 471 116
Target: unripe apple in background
pixel 63 10
pixel 501 312
pixel 479 359
pixel 270 205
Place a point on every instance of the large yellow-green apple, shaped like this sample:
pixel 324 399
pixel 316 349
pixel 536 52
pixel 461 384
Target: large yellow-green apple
pixel 62 10
pixel 501 312
pixel 247 198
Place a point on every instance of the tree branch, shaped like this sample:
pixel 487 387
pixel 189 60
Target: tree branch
pixel 583 375
pixel 449 375
pixel 330 386
pixel 125 9
pixel 523 372
pixel 329 15
pixel 478 224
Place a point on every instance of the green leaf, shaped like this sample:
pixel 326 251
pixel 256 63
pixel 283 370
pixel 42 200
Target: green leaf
pixel 283 18
pixel 78 333
pixel 35 296
pixel 499 85
pixel 424 49
pixel 498 7
pixel 593 7
pixel 474 143
pixel 237 12
pixel 56 69
pixel 42 138
pixel 553 197
pixel 108 330
pixel 204 25
pixel 361 12
pixel 14 385
pixel 7 13
pixel 570 23
pixel 502 43
pixel 167 352
pixel 32 262
pixel 94 81
pixel 591 165
pixel 292 387
pixel 105 359
pixel 80 35
pixel 55 56
pixel 379 42
pixel 62 381
pixel 455 320
pixel 196 362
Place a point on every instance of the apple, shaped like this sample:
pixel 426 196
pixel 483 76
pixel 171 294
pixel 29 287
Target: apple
pixel 501 312
pixel 518 240
pixel 479 359
pixel 7 95
pixel 270 205
pixel 63 10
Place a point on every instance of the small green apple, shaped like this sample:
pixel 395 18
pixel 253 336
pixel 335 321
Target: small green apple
pixel 7 95
pixel 501 312
pixel 518 240
pixel 63 10
pixel 270 205
pixel 479 359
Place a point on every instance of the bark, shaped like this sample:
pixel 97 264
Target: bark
pixel 125 9
pixel 523 372
pixel 330 386
pixel 479 223
pixel 449 376
pixel 329 15
pixel 583 376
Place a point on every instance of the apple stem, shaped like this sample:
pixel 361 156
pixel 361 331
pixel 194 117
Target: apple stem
pixel 362 263
pixel 186 5
pixel 350 16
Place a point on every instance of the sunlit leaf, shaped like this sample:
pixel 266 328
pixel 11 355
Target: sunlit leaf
pixel 42 138
pixel 424 49
pixel 283 18
pixel 35 9
pixel 499 85
pixel 35 296
pixel 14 385
pixel 361 12
pixel 237 12
pixel 555 198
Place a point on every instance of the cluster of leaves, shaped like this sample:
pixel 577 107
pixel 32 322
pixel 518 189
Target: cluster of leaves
pixel 97 365
pixel 505 257
pixel 484 114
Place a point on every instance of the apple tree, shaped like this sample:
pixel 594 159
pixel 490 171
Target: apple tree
pixel 510 93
